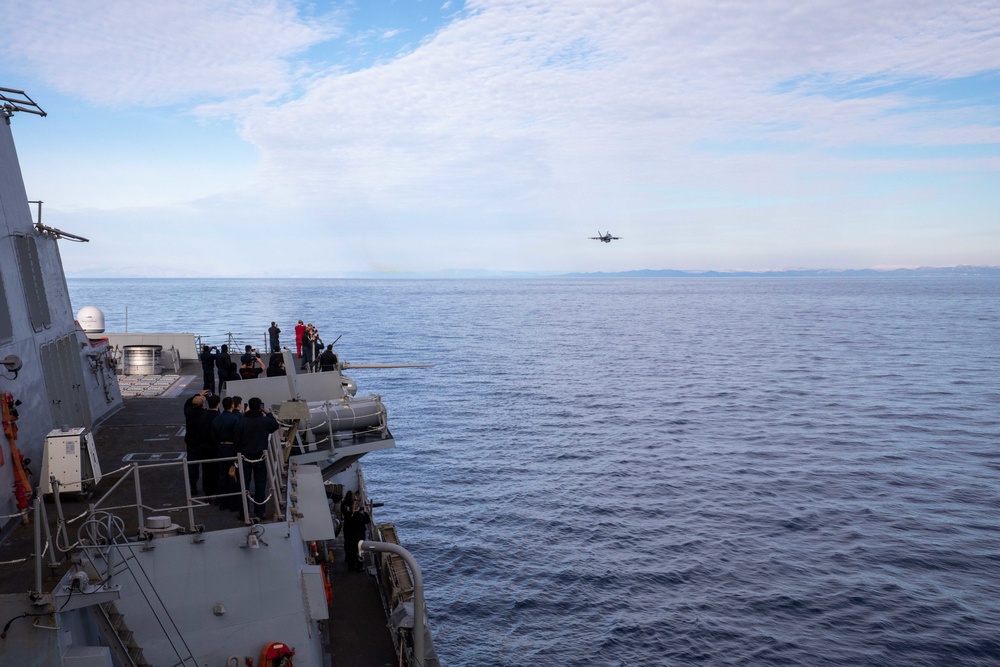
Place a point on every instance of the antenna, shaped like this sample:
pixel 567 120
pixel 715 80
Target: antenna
pixel 17 100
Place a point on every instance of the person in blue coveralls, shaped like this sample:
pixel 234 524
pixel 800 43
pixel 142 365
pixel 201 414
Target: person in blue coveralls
pixel 223 427
pixel 250 438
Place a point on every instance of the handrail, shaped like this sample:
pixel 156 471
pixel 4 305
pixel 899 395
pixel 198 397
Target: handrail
pixel 273 460
pixel 418 591
pixel 107 553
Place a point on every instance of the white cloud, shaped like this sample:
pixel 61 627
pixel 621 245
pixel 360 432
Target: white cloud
pixel 119 52
pixel 515 98
pixel 711 135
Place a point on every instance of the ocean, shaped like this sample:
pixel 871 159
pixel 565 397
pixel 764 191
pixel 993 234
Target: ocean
pixel 712 471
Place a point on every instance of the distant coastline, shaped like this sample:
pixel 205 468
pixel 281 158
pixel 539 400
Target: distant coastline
pixel 932 271
pixel 926 271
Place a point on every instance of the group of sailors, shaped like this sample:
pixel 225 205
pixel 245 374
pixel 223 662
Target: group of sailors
pixel 219 428
pixel 308 348
pixel 211 433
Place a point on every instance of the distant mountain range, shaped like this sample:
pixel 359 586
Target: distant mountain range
pixel 471 274
pixel 932 271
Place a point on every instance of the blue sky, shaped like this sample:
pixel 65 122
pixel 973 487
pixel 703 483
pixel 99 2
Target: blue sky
pixel 315 139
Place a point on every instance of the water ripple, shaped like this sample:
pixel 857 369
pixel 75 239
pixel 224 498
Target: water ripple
pixel 672 472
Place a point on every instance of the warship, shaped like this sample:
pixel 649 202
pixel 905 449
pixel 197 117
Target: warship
pixel 109 557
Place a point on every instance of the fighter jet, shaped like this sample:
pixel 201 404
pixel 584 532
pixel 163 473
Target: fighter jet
pixel 604 238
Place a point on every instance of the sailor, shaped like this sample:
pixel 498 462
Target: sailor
pixel 232 373
pixel 208 367
pixel 209 445
pixel 272 334
pixel 251 368
pixel 250 437
pixel 193 408
pixel 308 348
pixel 222 361
pixel 317 347
pixel 355 520
pixel 276 366
pixel 328 360
pixel 247 355
pixel 299 330
pixel 222 427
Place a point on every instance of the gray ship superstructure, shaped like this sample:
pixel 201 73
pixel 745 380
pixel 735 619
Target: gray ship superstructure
pixel 109 560
pixel 55 374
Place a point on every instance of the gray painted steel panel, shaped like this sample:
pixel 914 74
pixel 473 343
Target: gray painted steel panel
pixel 261 590
pixel 33 282
pixel 88 656
pixel 315 592
pixel 315 523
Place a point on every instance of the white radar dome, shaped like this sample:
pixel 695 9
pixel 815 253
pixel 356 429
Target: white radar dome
pixel 91 319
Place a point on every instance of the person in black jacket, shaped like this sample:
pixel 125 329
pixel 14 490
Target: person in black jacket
pixel 193 409
pixel 272 335
pixel 308 348
pixel 208 367
pixel 222 361
pixel 356 520
pixel 251 369
pixel 276 366
pixel 232 373
pixel 209 445
pixel 328 360
pixel 251 436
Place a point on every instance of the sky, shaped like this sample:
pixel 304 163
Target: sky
pixel 284 138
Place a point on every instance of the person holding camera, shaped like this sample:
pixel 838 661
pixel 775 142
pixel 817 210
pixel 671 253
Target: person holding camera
pixel 356 520
pixel 194 407
pixel 252 368
pixel 222 361
pixel 223 427
pixel 272 337
pixel 308 348
pixel 250 438
pixel 248 355
pixel 208 367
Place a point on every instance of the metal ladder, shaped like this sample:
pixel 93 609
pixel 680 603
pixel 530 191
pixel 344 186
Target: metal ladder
pixel 121 640
pixel 116 632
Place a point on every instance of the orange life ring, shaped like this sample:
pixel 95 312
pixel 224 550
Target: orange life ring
pixel 327 586
pixel 22 485
pixel 276 654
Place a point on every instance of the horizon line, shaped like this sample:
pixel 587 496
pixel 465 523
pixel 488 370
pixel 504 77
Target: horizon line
pixel 479 274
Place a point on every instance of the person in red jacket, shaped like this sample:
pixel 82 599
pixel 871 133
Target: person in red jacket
pixel 300 329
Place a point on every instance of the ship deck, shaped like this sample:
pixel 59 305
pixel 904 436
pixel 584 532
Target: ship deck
pixel 155 425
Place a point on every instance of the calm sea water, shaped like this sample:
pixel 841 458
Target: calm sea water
pixel 668 471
